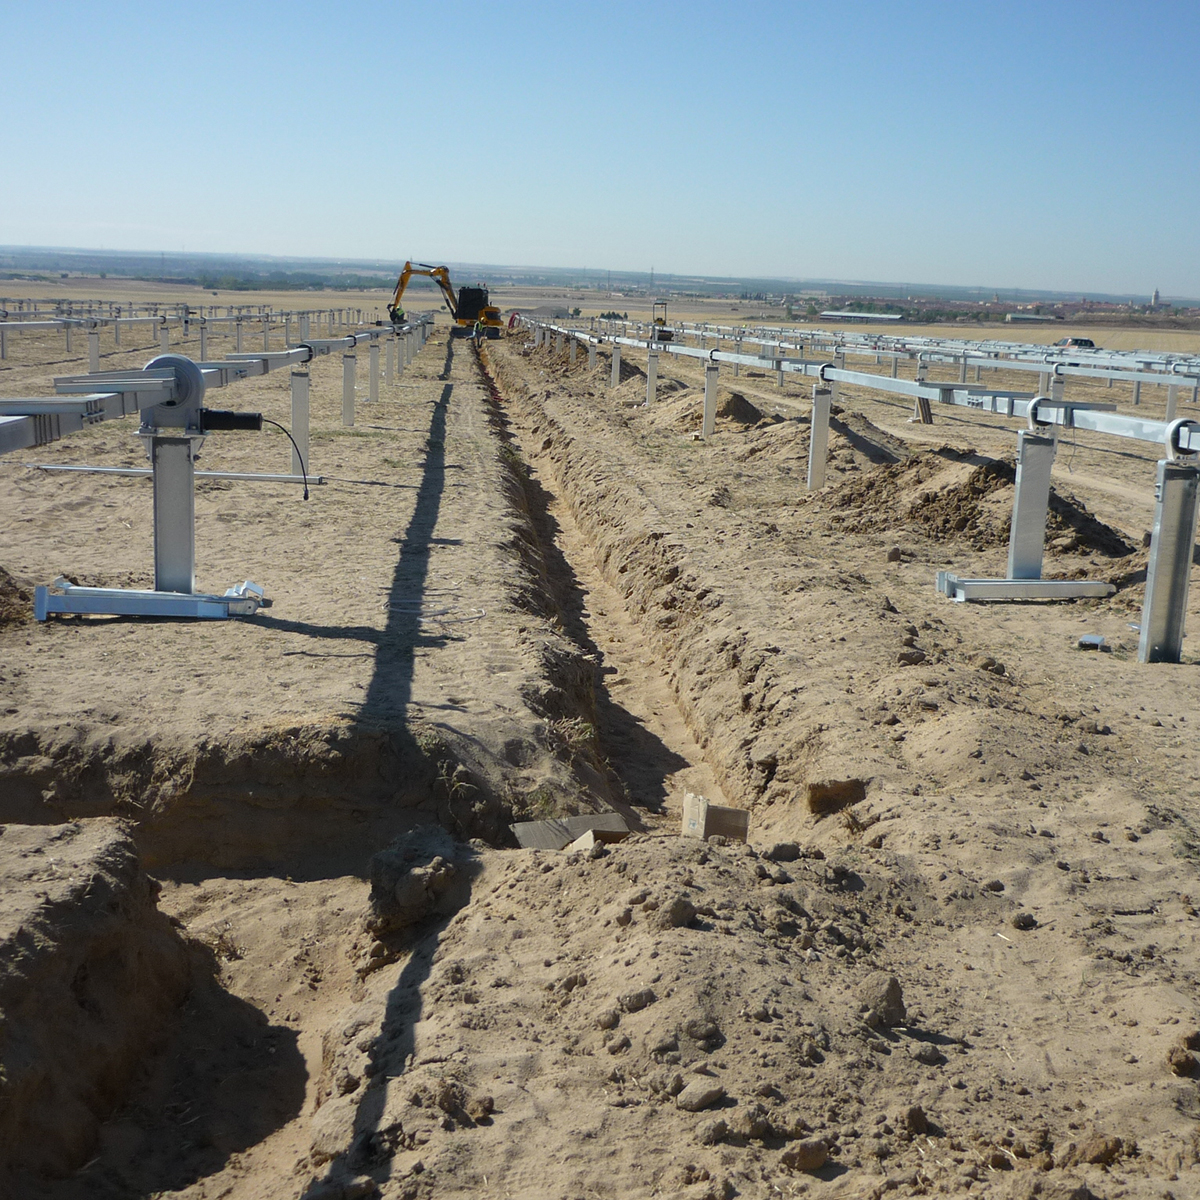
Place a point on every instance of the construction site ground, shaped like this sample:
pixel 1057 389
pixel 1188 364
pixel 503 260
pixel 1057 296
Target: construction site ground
pixel 265 930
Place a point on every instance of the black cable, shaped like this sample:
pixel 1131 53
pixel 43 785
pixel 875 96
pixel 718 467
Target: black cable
pixel 303 472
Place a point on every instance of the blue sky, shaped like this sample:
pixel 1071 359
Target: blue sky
pixel 1052 145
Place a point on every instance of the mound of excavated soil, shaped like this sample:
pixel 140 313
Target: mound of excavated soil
pixel 716 1021
pixel 681 408
pixel 950 494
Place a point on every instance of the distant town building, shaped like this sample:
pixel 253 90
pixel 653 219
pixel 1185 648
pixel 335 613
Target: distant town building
pixel 1154 301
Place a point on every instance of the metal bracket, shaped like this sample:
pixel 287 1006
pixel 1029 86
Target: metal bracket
pixel 244 600
pixel 1020 589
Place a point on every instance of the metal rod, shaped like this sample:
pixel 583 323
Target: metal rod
pixel 818 444
pixel 709 425
pixel 146 472
pixel 1031 501
pixel 348 363
pixel 174 513
pixel 300 397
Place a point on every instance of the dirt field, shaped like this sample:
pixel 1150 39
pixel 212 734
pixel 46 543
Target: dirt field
pixel 957 956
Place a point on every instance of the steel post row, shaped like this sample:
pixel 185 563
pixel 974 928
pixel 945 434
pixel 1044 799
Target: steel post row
pixel 1178 480
pixel 168 395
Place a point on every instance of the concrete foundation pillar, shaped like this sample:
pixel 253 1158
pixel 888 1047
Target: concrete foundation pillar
pixel 616 366
pixel 94 351
pixel 373 368
pixel 651 376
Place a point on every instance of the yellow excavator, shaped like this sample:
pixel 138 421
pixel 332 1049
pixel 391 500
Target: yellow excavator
pixel 658 323
pixel 470 308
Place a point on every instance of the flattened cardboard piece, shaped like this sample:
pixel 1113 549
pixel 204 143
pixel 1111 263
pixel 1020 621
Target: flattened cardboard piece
pixel 597 837
pixel 562 831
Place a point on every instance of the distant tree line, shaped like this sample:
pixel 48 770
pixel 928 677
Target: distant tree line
pixel 283 281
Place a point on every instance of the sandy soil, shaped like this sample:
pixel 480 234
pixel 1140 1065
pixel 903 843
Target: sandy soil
pixel 522 593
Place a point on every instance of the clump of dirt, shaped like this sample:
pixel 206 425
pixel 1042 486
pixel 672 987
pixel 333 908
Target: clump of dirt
pixel 866 439
pixel 951 494
pixel 735 407
pixel 16 604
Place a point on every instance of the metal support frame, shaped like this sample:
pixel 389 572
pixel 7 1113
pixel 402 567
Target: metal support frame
pixel 173 461
pixel 1179 483
pixel 1020 589
pixel 1177 491
pixel 172 429
pixel 1027 539
pixel 709 424
pixel 1031 502
pixel 348 364
pixel 300 411
pixel 818 442
pixel 62 596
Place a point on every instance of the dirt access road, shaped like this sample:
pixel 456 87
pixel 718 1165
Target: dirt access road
pixel 523 593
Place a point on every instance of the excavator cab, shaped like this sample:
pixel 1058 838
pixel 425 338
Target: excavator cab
pixel 473 307
pixel 471 302
pixel 658 324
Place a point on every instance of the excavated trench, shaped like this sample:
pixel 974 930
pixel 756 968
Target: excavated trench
pixel 260 842
pixel 286 880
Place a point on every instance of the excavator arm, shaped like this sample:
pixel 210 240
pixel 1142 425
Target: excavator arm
pixel 441 275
